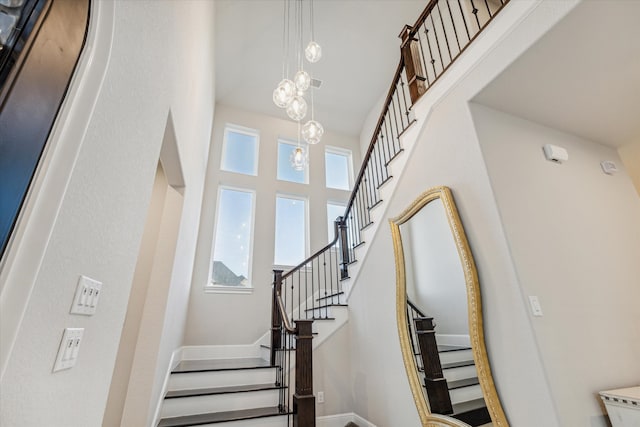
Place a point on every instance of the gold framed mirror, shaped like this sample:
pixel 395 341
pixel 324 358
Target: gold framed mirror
pixel 439 315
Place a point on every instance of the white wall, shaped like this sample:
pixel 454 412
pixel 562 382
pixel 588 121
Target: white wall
pixel 434 275
pixel 331 374
pixel 209 321
pixel 630 156
pixel 447 152
pixel 574 236
pixel 160 62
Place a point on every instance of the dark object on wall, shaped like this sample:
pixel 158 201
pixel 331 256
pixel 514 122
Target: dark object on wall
pixel 36 66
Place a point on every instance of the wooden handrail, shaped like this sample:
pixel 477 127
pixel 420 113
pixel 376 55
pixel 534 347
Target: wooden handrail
pixel 416 309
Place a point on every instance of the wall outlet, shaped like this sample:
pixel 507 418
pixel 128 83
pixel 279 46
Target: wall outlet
pixel 320 397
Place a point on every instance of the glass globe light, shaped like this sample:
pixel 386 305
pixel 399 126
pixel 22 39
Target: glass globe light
pixel 284 93
pixel 313 52
pixel 299 159
pixel 312 132
pixel 297 109
pixel 302 80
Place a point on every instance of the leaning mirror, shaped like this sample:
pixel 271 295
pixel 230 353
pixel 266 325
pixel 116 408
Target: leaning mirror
pixel 439 316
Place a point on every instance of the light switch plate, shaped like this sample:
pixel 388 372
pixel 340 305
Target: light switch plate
pixel 86 298
pixel 536 309
pixel 69 348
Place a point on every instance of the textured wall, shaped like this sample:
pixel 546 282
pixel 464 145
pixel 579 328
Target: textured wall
pixel 160 62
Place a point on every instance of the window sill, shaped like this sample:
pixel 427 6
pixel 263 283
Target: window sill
pixel 221 289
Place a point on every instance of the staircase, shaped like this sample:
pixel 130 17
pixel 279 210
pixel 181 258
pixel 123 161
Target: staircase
pixel 239 392
pixel 460 372
pixel 272 384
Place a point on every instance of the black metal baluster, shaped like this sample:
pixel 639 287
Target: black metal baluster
pixel 376 167
pixel 444 30
pixel 404 97
pixel 464 20
pixel 453 24
pixel 392 112
pixel 382 161
pixel 396 99
pixel 475 12
pixel 372 199
pixel 435 35
pixel 488 10
pixel 433 60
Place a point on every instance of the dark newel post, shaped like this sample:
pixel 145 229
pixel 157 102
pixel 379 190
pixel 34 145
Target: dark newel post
pixel 276 317
pixel 304 402
pixel 434 380
pixel 412 65
pixel 344 247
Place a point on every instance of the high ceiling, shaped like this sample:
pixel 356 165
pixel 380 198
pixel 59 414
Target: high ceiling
pixel 360 48
pixel 582 77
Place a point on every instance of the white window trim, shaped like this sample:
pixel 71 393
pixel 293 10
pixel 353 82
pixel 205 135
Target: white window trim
pixel 244 131
pixel 221 289
pixel 342 152
pixel 307 233
pixel 293 144
pixel 210 287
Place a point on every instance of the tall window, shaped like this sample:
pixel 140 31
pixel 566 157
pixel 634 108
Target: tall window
pixel 334 210
pixel 285 171
pixel 338 168
pixel 240 150
pixel 291 230
pixel 231 263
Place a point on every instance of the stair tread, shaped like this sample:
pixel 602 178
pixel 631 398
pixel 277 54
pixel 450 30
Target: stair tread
pixel 337 294
pixel 469 405
pixel 452 365
pixel 326 306
pixel 172 394
pixel 462 383
pixel 219 417
pixel 220 365
pixel 448 348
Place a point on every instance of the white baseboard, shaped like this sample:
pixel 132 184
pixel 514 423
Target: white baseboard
pixel 341 420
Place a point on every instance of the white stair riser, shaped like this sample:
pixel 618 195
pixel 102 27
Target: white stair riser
pixel 461 373
pixel 221 378
pixel 279 421
pixel 464 394
pixel 320 313
pixel 201 352
pixel 456 356
pixel 219 403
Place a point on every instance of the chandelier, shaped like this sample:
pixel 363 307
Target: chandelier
pixel 290 92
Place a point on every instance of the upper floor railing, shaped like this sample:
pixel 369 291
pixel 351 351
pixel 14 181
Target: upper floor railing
pixel 429 47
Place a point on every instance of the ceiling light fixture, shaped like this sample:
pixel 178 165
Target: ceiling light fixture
pixel 290 93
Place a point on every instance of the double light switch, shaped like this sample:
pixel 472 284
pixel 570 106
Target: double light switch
pixel 69 348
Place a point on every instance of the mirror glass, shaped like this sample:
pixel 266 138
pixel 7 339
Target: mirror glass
pixel 440 316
